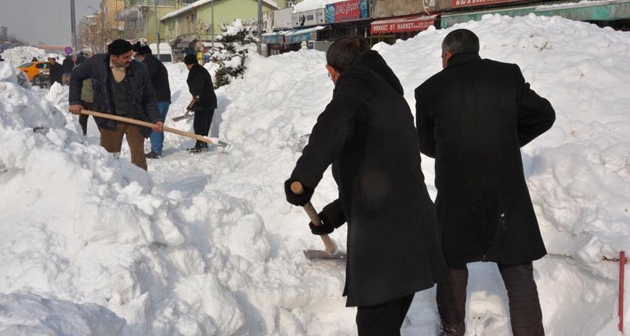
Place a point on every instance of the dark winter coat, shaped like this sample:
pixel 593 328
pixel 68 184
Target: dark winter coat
pixel 473 117
pixel 200 85
pixel 367 133
pixel 55 74
pixel 68 64
pixel 97 68
pixel 159 78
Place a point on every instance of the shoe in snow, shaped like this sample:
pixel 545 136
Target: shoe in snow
pixel 153 155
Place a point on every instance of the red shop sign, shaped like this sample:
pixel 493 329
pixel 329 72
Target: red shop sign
pixel 347 11
pixel 410 24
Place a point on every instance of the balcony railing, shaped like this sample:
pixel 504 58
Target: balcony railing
pixel 170 3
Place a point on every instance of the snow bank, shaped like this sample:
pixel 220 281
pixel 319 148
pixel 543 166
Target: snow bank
pixel 206 245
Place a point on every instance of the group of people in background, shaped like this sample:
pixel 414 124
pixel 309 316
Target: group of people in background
pixel 129 81
pixel 472 117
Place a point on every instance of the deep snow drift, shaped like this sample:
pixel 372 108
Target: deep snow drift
pixel 206 244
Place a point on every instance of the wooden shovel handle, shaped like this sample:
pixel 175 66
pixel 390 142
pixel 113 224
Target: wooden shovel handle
pixel 296 188
pixel 146 124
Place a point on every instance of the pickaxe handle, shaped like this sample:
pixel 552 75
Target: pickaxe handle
pixel 296 188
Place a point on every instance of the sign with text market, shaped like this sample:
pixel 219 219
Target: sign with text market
pixel 347 11
pixel 401 25
pixel 474 3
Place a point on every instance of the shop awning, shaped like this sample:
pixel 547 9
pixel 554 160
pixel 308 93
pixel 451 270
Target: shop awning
pixel 580 11
pixel 299 36
pixel 273 38
pixel 401 25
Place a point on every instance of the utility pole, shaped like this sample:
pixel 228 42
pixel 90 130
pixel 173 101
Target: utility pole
pixel 73 28
pixel 212 25
pixel 260 27
pixel 157 27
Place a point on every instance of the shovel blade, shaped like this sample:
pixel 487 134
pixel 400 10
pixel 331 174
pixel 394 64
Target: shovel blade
pixel 182 117
pixel 320 254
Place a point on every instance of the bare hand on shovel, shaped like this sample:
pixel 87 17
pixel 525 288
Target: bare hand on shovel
pixel 331 251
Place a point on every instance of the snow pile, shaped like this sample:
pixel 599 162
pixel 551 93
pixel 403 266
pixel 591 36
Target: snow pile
pixel 206 244
pixel 20 55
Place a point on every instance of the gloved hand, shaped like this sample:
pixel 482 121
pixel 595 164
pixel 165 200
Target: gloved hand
pixel 323 229
pixel 294 199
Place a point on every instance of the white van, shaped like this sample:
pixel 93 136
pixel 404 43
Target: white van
pixel 166 53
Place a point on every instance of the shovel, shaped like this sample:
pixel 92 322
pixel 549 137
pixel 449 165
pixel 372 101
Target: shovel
pixel 331 251
pixel 226 146
pixel 183 116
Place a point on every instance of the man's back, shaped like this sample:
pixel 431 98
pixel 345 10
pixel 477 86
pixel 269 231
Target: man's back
pixel 473 117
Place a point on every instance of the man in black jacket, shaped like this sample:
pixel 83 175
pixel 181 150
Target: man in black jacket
pixel 159 79
pixel 473 117
pixel 204 100
pixel 121 87
pixel 366 132
pixel 56 71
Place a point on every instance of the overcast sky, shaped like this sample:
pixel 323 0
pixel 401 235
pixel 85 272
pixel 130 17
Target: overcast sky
pixel 43 21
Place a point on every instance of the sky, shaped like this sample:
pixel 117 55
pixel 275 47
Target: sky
pixel 43 21
pixel 207 245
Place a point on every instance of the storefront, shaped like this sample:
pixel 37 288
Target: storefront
pixel 604 13
pixel 390 30
pixel 281 42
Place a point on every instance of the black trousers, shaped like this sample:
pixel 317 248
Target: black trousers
pixel 525 312
pixel 83 118
pixel 384 319
pixel 201 123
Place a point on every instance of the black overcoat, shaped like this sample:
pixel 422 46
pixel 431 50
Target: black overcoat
pixel 368 135
pixel 200 85
pixel 473 117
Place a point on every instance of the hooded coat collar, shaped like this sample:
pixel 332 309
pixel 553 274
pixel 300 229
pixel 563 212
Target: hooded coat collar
pixel 375 62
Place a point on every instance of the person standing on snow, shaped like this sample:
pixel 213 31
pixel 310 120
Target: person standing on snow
pixel 68 65
pixel 56 71
pixel 204 100
pixel 473 117
pixel 366 132
pixel 122 87
pixel 159 79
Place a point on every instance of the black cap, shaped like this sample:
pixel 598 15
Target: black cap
pixel 144 50
pixel 119 47
pixel 136 46
pixel 190 59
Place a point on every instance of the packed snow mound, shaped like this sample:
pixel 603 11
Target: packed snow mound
pixel 26 314
pixel 20 55
pixel 207 245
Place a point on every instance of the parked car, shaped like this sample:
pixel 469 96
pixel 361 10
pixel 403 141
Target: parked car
pixel 37 72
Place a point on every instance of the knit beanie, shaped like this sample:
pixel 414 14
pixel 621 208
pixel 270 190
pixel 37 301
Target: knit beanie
pixel 190 59
pixel 119 47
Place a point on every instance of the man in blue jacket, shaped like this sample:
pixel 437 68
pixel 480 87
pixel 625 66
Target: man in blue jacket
pixel 121 87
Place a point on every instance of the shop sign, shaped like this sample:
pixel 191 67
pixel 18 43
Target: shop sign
pixel 474 3
pixel 272 39
pixel 347 11
pixel 411 24
pixel 300 37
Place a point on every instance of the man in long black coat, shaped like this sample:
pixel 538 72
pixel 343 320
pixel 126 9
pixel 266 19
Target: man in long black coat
pixel 366 132
pixel 204 100
pixel 473 117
